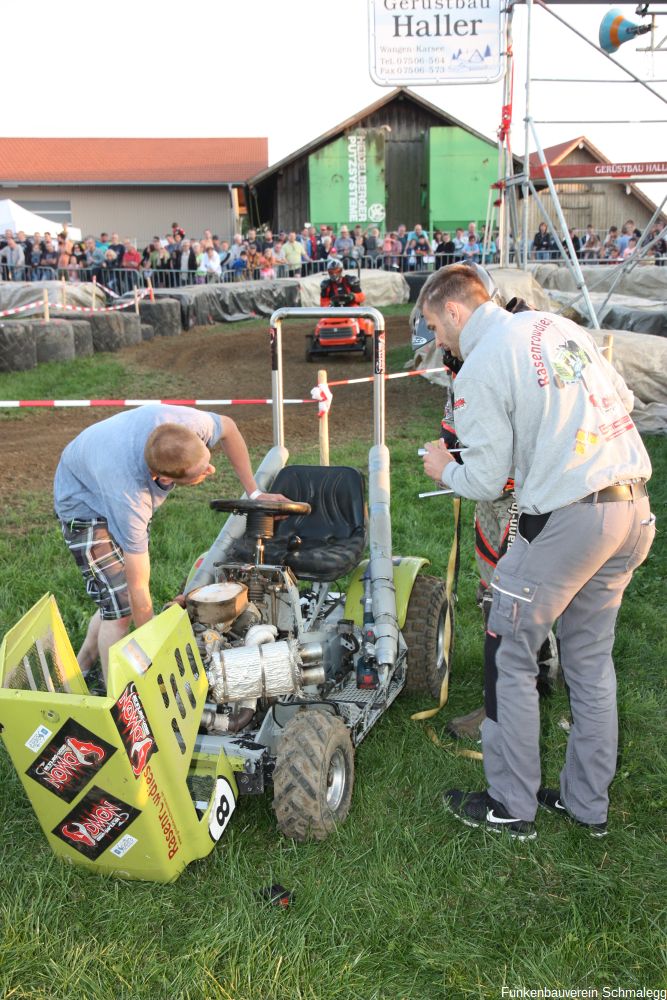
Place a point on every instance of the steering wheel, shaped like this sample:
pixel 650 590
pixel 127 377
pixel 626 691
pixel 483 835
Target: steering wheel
pixel 278 508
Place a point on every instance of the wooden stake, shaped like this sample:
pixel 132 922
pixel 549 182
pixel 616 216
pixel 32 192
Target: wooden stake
pixel 136 300
pixel 63 293
pixel 47 314
pixel 608 349
pixel 323 420
pixel 94 291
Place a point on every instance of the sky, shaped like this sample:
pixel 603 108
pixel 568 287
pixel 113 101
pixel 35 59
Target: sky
pixel 292 70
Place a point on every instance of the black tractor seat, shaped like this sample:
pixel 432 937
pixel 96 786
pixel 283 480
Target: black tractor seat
pixel 327 543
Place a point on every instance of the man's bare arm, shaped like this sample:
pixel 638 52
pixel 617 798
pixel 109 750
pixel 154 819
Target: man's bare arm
pixel 138 573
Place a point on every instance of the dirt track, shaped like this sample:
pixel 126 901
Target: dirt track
pixel 208 364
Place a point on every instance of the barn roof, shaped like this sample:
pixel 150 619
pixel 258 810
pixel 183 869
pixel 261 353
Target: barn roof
pixel 400 93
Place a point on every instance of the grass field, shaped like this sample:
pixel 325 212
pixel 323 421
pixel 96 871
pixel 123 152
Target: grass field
pixel 402 902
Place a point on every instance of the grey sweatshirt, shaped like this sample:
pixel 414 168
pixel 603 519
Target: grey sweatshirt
pixel 535 394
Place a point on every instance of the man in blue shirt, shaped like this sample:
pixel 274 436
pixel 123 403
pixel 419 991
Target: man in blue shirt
pixel 110 481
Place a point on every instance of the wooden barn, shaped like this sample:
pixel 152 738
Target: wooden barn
pixel 400 160
pixel 602 204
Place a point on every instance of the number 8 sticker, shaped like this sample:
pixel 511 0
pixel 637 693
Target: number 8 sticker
pixel 222 808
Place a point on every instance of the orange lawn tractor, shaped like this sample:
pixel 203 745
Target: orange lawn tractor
pixel 349 333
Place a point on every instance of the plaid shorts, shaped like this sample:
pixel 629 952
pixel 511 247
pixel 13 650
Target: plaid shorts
pixel 100 559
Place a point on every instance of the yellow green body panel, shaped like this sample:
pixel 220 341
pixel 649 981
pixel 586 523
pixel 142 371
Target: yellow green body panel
pixel 108 776
pixel 406 569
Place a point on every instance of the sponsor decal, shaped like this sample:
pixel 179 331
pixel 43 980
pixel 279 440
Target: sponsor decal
pixel 223 806
pixel 459 403
pixel 357 179
pixel 615 428
pixel 536 350
pixel 379 352
pixel 135 732
pixel 70 760
pixel 604 403
pixel 169 829
pixel 138 658
pixel 124 845
pixel 95 823
pixel 569 364
pixel 38 739
pixel 583 439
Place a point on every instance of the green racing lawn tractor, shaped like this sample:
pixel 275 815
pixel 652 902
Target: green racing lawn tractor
pixel 268 679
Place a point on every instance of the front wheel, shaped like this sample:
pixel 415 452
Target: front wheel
pixel 309 348
pixel 368 349
pixel 313 776
pixel 429 627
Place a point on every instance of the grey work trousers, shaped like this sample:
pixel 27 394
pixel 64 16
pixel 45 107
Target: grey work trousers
pixel 575 570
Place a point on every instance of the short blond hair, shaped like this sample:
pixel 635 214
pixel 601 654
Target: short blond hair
pixel 173 450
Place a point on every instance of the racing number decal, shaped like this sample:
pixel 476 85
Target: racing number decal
pixel 223 806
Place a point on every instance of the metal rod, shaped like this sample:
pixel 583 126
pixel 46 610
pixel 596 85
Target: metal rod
pixel 277 383
pixel 523 249
pixel 642 251
pixel 571 262
pixel 597 49
pixel 317 312
pixel 434 493
pixel 600 121
pixel 582 79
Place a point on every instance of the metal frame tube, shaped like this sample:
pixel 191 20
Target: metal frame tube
pixel 379 479
pixel 317 312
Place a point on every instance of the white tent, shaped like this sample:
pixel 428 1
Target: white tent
pixel 13 217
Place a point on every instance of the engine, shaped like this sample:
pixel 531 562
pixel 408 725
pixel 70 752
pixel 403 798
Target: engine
pixel 251 638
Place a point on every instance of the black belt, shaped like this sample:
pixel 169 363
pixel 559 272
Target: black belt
pixel 620 491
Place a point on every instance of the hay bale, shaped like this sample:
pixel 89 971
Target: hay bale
pixel 147 331
pixel 54 341
pixel 131 328
pixel 164 315
pixel 83 339
pixel 18 351
pixel 107 330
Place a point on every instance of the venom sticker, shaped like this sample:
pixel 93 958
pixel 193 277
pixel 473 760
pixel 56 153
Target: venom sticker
pixel 70 760
pixel 135 732
pixel 95 823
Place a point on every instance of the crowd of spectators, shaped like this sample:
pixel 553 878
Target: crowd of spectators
pixel 616 246
pixel 176 259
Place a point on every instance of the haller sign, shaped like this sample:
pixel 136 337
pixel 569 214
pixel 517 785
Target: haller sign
pixel 430 42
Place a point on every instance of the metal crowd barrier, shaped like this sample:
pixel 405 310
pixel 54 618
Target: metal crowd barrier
pixel 121 280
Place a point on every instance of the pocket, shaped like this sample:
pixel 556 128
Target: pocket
pixel 643 545
pixel 512 600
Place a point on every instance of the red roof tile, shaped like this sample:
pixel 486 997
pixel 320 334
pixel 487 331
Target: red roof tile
pixel 143 161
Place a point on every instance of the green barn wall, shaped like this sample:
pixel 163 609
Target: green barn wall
pixel 331 181
pixel 461 171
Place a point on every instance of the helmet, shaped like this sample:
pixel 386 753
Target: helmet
pixel 333 264
pixel 421 335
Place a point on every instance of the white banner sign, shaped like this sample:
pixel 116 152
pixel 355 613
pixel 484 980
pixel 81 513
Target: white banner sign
pixel 430 42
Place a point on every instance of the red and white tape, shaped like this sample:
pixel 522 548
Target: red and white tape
pixel 370 378
pixel 13 403
pixel 39 304
pixel 105 309
pixel 322 395
pixel 20 309
pixel 318 394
